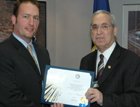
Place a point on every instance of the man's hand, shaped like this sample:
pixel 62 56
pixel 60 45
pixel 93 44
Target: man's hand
pixel 94 95
pixel 57 105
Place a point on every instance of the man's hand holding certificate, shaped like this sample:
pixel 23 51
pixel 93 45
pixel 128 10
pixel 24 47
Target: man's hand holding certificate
pixel 66 86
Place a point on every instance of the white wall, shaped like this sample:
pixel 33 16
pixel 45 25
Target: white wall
pixel 68 38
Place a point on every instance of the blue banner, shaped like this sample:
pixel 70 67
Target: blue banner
pixel 101 5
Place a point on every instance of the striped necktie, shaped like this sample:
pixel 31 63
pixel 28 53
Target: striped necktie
pixel 100 66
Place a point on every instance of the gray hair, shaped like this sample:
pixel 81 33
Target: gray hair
pixel 113 20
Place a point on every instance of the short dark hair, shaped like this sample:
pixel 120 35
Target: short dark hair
pixel 19 2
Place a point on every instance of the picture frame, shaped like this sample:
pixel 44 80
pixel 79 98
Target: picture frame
pixel 6 24
pixel 131 27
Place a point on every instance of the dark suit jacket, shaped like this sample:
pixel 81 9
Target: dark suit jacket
pixel 20 80
pixel 120 81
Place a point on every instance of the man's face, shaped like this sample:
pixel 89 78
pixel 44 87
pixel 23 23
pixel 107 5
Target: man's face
pixel 27 21
pixel 102 31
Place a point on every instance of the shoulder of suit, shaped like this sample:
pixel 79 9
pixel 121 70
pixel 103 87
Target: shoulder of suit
pixel 90 55
pixel 127 53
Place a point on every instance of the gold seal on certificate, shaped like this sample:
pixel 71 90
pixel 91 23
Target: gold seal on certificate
pixel 66 86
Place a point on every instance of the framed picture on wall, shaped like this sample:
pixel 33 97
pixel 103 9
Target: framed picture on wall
pixel 6 9
pixel 131 28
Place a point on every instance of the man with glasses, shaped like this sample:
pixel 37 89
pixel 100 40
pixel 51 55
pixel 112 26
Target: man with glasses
pixel 117 69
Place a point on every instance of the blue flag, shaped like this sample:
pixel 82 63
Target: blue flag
pixel 101 5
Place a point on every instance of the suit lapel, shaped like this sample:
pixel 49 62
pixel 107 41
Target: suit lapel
pixel 113 60
pixel 23 52
pixel 92 62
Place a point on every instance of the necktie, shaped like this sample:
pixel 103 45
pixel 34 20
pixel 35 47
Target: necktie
pixel 30 49
pixel 100 66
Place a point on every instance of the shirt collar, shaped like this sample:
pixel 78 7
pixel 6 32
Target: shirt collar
pixel 108 52
pixel 21 40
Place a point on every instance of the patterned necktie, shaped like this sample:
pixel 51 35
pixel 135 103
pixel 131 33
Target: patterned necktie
pixel 100 66
pixel 30 49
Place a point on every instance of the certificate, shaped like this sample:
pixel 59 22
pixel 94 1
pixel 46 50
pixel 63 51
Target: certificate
pixel 66 86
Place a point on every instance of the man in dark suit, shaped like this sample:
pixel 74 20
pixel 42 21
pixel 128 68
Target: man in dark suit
pixel 21 73
pixel 119 81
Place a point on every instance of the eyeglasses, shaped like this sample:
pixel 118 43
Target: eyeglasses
pixel 103 27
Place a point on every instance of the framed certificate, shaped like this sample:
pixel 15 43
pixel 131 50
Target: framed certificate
pixel 66 86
